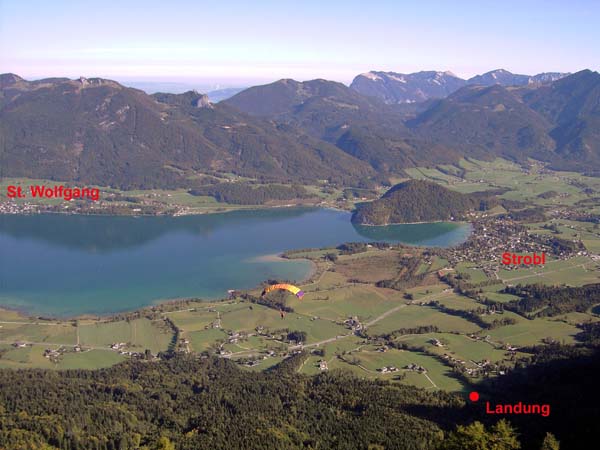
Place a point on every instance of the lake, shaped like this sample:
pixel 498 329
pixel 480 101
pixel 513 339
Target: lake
pixel 67 265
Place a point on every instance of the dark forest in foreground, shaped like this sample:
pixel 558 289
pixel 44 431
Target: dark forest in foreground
pixel 194 403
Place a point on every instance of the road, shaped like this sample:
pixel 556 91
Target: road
pixel 544 273
pixel 58 345
pixel 31 323
pixel 398 308
pixel 431 381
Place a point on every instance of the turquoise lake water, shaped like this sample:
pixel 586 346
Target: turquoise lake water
pixel 66 265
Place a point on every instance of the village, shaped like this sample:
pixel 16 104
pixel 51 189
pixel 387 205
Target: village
pixel 492 237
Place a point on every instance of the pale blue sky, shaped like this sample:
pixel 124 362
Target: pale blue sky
pixel 245 42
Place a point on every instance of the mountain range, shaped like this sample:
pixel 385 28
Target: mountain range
pixel 98 131
pixel 392 87
pixel 545 122
pixel 557 122
pixel 363 127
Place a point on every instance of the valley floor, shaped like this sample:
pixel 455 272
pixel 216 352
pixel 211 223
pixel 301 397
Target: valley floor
pixel 379 312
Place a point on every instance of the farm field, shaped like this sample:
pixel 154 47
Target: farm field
pixel 365 302
pixel 51 333
pixel 573 272
pixel 474 274
pixel 437 375
pixel 459 302
pixel 524 185
pixel 195 320
pixel 460 346
pixel 91 359
pixel 532 332
pixel 32 356
pixel 414 316
pixel 138 334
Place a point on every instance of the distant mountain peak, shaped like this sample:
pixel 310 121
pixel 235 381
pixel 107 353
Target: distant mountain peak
pixel 202 101
pixel 499 76
pixel 11 76
pixel 506 78
pixel 281 96
pixel 393 87
pixel 547 77
pixel 188 98
pixel 89 82
pixel 11 79
pixel 288 81
pixel 7 79
pixel 370 75
pixel 585 74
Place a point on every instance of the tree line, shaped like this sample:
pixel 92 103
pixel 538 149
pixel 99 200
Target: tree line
pixel 538 300
pixel 249 194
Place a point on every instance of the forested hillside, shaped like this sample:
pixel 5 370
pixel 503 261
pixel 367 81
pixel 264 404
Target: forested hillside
pixel 415 201
pixel 246 194
pixel 98 131
pixel 192 403
pixel 363 127
pixel 208 404
pixel 480 121
pixel 572 105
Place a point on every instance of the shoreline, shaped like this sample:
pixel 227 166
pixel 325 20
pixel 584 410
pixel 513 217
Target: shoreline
pixel 24 312
pixel 278 257
pixel 226 208
pixel 459 222
pixel 233 208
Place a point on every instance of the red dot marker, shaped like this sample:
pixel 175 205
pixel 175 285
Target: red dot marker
pixel 474 396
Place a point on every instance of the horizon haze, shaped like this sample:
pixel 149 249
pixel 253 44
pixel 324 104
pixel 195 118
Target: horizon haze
pixel 237 44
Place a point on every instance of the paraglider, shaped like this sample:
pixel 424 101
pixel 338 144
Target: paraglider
pixel 284 286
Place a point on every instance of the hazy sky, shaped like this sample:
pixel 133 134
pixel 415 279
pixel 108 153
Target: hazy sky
pixel 245 42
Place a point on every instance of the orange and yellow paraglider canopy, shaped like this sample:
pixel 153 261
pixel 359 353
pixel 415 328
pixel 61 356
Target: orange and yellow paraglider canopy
pixel 286 287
